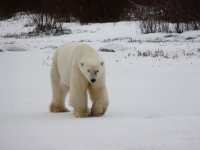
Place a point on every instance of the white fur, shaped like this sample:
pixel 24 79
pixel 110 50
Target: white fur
pixel 74 66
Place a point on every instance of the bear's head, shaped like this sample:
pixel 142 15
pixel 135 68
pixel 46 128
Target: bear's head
pixel 92 69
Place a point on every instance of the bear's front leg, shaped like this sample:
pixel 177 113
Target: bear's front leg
pixel 79 102
pixel 78 93
pixel 99 98
pixel 99 108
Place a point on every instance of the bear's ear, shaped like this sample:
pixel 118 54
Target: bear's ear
pixel 82 64
pixel 102 63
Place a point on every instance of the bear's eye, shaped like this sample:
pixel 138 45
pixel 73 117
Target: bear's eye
pixel 88 70
pixel 96 71
pixel 82 64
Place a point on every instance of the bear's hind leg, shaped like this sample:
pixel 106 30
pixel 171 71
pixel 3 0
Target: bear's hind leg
pixel 58 102
pixel 59 92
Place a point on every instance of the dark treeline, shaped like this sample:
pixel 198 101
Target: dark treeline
pixel 171 10
pixel 83 10
pixel 155 14
pixel 106 10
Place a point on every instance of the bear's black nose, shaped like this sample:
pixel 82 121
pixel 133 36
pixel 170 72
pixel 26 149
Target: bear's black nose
pixel 93 80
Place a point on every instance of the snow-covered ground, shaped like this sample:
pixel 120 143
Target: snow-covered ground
pixel 153 83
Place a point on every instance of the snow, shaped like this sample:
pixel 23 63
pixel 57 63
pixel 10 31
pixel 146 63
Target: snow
pixel 15 25
pixel 154 101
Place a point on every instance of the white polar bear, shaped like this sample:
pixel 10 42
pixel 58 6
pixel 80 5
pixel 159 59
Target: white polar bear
pixel 78 68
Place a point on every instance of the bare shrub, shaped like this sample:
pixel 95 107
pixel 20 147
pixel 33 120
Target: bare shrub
pixel 46 23
pixel 153 26
pixel 148 26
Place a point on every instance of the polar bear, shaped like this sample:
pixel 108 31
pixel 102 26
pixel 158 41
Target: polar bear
pixel 78 69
